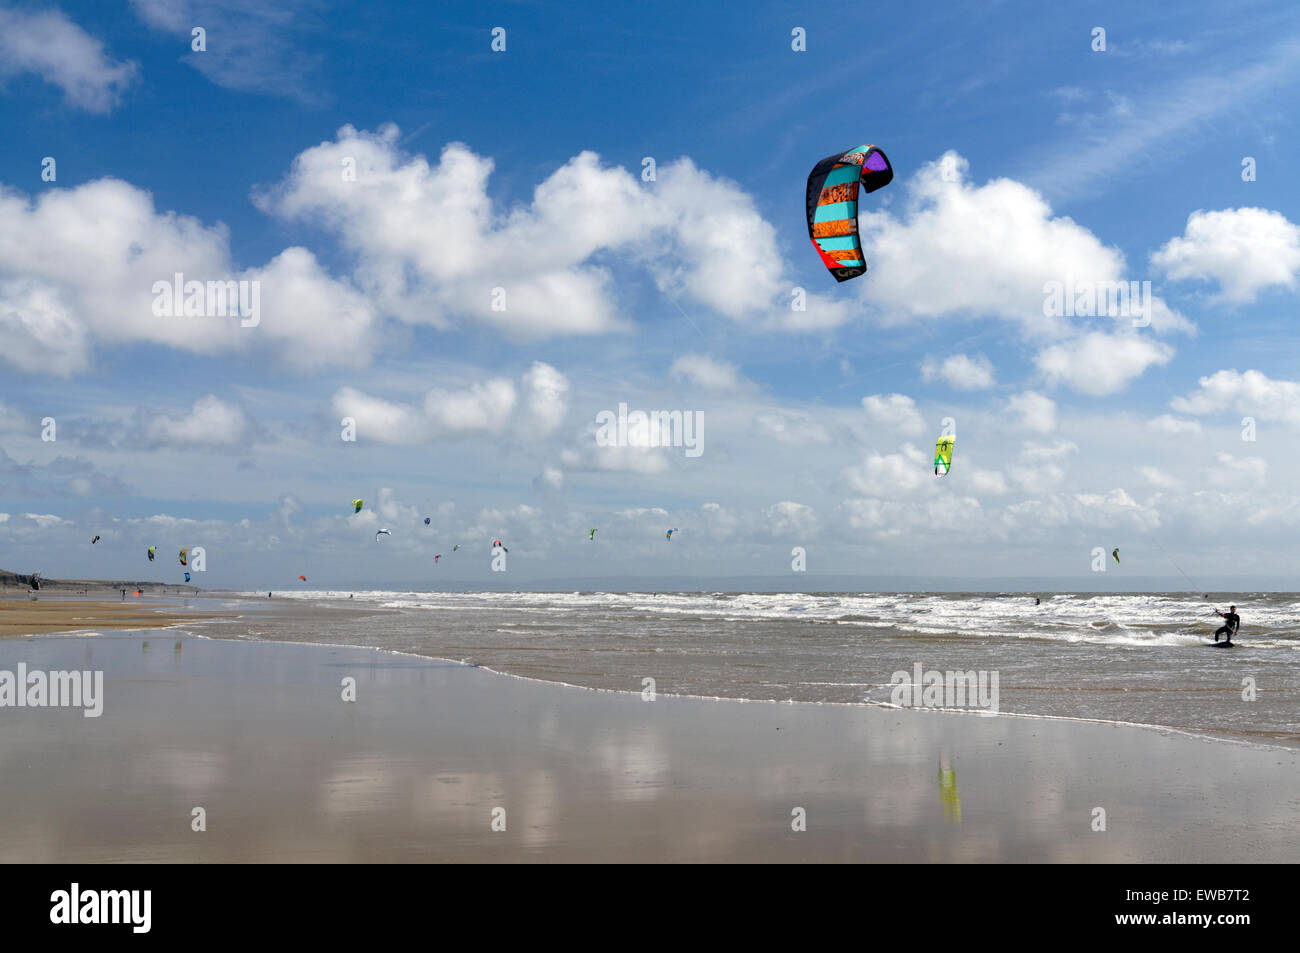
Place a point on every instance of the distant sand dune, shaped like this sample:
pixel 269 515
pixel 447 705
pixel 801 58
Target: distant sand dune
pixel 21 581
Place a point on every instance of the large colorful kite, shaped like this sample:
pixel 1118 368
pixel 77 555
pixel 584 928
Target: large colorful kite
pixel 833 188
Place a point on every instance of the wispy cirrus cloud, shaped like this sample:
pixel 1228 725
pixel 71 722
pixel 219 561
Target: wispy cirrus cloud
pixel 1158 121
pixel 251 46
pixel 50 45
pixel 62 477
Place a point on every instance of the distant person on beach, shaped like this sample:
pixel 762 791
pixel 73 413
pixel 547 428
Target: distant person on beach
pixel 124 595
pixel 1231 623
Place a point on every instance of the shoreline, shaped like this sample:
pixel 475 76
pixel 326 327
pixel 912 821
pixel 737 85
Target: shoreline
pixel 1223 738
pixel 256 733
pixel 149 616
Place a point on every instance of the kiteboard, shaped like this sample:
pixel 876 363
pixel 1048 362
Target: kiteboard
pixel 1221 645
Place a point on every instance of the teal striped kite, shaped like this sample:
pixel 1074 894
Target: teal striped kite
pixel 833 188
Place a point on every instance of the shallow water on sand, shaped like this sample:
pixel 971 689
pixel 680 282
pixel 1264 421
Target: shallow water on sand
pixel 1139 658
pixel 417 767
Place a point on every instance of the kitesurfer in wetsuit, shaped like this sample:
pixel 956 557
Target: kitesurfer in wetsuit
pixel 1231 623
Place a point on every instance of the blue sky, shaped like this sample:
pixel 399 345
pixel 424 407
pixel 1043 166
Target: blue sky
pixel 1022 155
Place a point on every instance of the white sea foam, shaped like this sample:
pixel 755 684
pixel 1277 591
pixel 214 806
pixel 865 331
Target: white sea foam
pixel 1134 620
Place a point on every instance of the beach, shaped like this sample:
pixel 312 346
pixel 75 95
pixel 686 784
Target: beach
pixel 1135 658
pixel 419 767
pixel 27 617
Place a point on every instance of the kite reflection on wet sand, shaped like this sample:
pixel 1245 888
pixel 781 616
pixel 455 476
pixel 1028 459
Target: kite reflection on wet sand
pixel 948 790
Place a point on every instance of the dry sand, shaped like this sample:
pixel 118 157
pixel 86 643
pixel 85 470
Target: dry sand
pixel 258 736
pixel 26 617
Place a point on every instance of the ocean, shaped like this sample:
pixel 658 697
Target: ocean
pixel 1126 658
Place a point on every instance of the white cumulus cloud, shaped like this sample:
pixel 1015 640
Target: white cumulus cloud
pixel 1099 363
pixel 433 249
pixel 1244 250
pixel 79 266
pixel 1035 411
pixel 897 411
pixel 534 407
pixel 1251 393
pixel 1168 423
pixel 211 422
pixel 959 249
pixel 960 371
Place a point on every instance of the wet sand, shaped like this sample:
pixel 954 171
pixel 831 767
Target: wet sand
pixel 257 735
pixel 27 617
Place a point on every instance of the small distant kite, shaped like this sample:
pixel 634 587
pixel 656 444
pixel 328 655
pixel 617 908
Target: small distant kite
pixel 456 547
pixel 357 504
pixel 497 544
pixel 591 534
pixel 94 541
pixel 437 557
pixel 1115 553
pixel 669 535
pixel 426 521
pixel 833 188
pixel 302 577
pixel 153 551
pixel 185 556
pixel 382 532
pixel 187 577
pixel 943 454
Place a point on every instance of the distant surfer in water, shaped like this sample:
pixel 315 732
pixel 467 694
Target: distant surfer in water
pixel 1231 622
